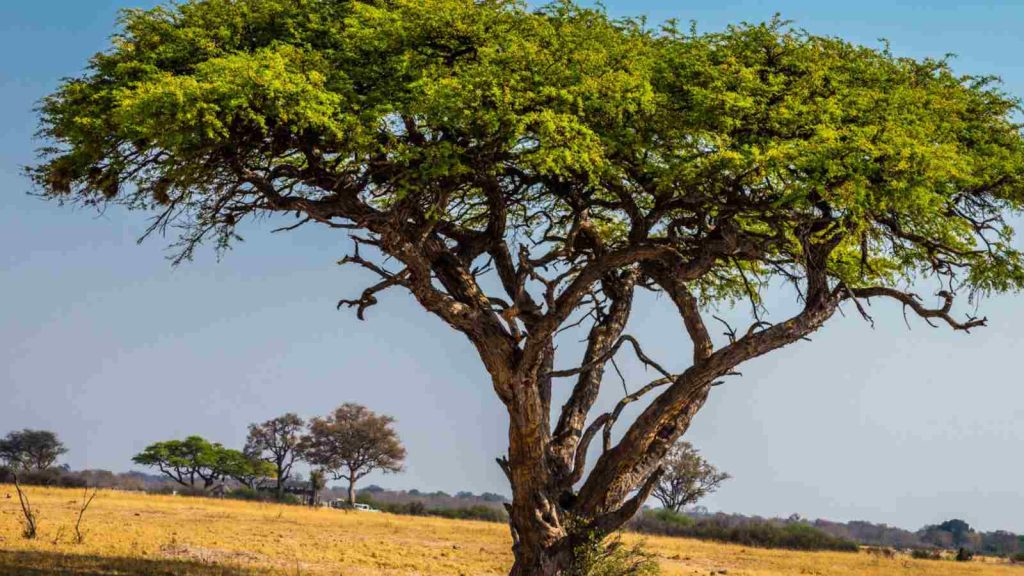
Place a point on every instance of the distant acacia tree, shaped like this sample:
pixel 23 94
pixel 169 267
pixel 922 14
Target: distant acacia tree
pixel 197 462
pixel 687 477
pixel 244 468
pixel 276 441
pixel 524 173
pixel 351 442
pixel 31 449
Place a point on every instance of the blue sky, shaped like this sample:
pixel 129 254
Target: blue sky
pixel 103 342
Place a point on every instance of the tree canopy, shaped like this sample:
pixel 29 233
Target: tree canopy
pixel 276 442
pixel 523 171
pixel 351 442
pixel 687 477
pixel 31 449
pixel 197 462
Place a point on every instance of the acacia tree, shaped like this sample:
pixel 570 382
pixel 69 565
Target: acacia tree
pixel 520 172
pixel 686 478
pixel 276 442
pixel 244 468
pixel 31 449
pixel 350 443
pixel 196 461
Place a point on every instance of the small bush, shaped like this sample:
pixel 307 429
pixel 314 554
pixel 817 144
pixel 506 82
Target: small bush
pixel 250 495
pixel 612 558
pixel 1017 558
pixel 964 555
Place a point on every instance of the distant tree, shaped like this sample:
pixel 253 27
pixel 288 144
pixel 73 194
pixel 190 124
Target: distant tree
pixel 276 441
pixel 244 468
pixel 31 449
pixel 959 529
pixel 352 442
pixel 687 477
pixel 189 462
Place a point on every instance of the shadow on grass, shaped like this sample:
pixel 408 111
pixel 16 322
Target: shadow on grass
pixel 56 563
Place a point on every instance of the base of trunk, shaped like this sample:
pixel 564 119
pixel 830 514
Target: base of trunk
pixel 543 563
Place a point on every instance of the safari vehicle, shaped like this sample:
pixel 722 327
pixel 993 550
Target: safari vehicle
pixel 342 504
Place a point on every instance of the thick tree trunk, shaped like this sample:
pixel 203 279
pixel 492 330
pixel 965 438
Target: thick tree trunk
pixel 351 492
pixel 542 545
pixel 542 562
pixel 542 542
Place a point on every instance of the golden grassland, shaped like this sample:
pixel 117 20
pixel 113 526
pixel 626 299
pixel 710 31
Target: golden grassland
pixel 132 533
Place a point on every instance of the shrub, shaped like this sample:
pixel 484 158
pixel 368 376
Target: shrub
pixel 416 508
pixel 748 532
pixel 248 494
pixel 1017 558
pixel 964 555
pixel 612 558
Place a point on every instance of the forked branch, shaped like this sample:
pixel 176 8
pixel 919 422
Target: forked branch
pixel 913 302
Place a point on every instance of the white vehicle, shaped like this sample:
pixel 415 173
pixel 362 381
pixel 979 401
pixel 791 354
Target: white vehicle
pixel 344 505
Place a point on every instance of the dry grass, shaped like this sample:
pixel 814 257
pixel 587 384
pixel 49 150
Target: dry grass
pixel 129 533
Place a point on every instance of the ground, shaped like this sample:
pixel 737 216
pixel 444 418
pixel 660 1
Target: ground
pixel 138 534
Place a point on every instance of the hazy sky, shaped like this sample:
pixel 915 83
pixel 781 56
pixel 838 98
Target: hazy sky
pixel 103 342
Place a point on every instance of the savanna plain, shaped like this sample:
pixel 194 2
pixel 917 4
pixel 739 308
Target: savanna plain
pixel 126 533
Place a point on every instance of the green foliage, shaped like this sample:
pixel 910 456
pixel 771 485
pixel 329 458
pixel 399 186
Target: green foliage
pixel 196 461
pixel 416 508
pixel 748 532
pixel 251 495
pixel 916 164
pixel 612 557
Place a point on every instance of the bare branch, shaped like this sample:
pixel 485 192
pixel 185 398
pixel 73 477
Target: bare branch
pixel 913 302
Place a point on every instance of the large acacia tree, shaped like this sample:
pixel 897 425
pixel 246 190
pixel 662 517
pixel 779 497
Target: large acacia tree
pixel 520 172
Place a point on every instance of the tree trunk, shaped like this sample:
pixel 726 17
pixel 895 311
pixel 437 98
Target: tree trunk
pixel 541 563
pixel 351 492
pixel 542 543
pixel 540 551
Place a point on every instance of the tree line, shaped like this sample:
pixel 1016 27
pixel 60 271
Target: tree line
pixel 349 443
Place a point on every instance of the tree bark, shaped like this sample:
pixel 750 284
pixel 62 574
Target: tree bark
pixel 351 492
pixel 280 483
pixel 541 542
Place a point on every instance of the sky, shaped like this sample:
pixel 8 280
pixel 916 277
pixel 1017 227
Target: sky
pixel 102 341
